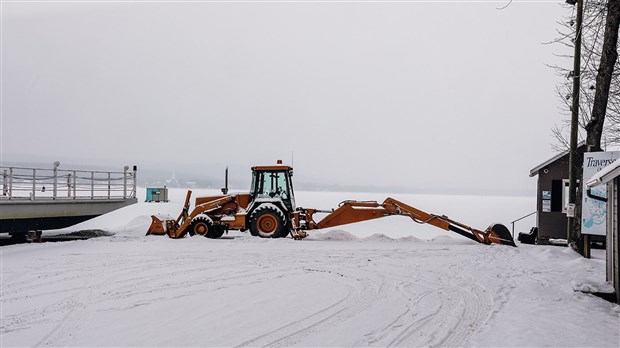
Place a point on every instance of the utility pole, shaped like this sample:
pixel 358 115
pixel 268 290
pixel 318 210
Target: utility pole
pixel 574 124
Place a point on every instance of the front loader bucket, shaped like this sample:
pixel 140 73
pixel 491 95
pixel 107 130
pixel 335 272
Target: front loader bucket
pixel 498 233
pixel 161 224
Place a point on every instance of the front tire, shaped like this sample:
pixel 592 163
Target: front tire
pixel 201 225
pixel 268 223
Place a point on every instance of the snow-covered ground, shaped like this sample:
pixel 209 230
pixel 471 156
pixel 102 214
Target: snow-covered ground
pixel 370 284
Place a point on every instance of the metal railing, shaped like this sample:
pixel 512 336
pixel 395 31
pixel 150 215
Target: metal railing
pixel 519 219
pixel 41 183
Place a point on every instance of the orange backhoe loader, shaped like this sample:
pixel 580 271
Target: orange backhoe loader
pixel 269 211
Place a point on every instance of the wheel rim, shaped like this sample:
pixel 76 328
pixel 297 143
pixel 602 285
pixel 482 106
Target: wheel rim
pixel 267 224
pixel 201 228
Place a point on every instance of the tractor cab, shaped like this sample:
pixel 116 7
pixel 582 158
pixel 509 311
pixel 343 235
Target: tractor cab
pixel 273 184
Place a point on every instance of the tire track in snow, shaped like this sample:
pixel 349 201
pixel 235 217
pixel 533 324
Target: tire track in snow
pixel 440 310
pixel 366 288
pixel 423 306
pixel 363 292
pixel 446 310
pixel 364 302
pixel 111 281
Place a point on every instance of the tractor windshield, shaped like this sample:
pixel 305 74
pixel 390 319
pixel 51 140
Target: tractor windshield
pixel 270 184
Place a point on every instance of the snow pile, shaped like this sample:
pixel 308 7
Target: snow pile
pixel 593 287
pixel 410 239
pixel 379 237
pixel 332 235
pixel 447 240
pixel 135 228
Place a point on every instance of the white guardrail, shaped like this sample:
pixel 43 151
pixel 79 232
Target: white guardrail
pixel 19 183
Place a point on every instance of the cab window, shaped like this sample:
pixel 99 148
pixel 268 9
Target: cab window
pixel 271 184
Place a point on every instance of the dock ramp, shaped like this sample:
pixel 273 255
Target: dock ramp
pixel 36 199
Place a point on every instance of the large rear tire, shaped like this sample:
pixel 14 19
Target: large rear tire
pixel 268 222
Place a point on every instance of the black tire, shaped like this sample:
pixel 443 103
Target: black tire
pixel 268 223
pixel 530 237
pixel 201 225
pixel 216 231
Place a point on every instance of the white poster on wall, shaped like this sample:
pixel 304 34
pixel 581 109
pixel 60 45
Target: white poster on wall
pixel 594 211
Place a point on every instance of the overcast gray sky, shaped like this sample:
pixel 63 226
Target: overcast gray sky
pixel 447 95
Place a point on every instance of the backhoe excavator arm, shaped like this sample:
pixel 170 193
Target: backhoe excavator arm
pixel 356 211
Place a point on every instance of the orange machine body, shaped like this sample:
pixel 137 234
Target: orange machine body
pixel 269 210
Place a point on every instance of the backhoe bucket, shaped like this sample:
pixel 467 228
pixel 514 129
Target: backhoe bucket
pixel 162 225
pixel 499 234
